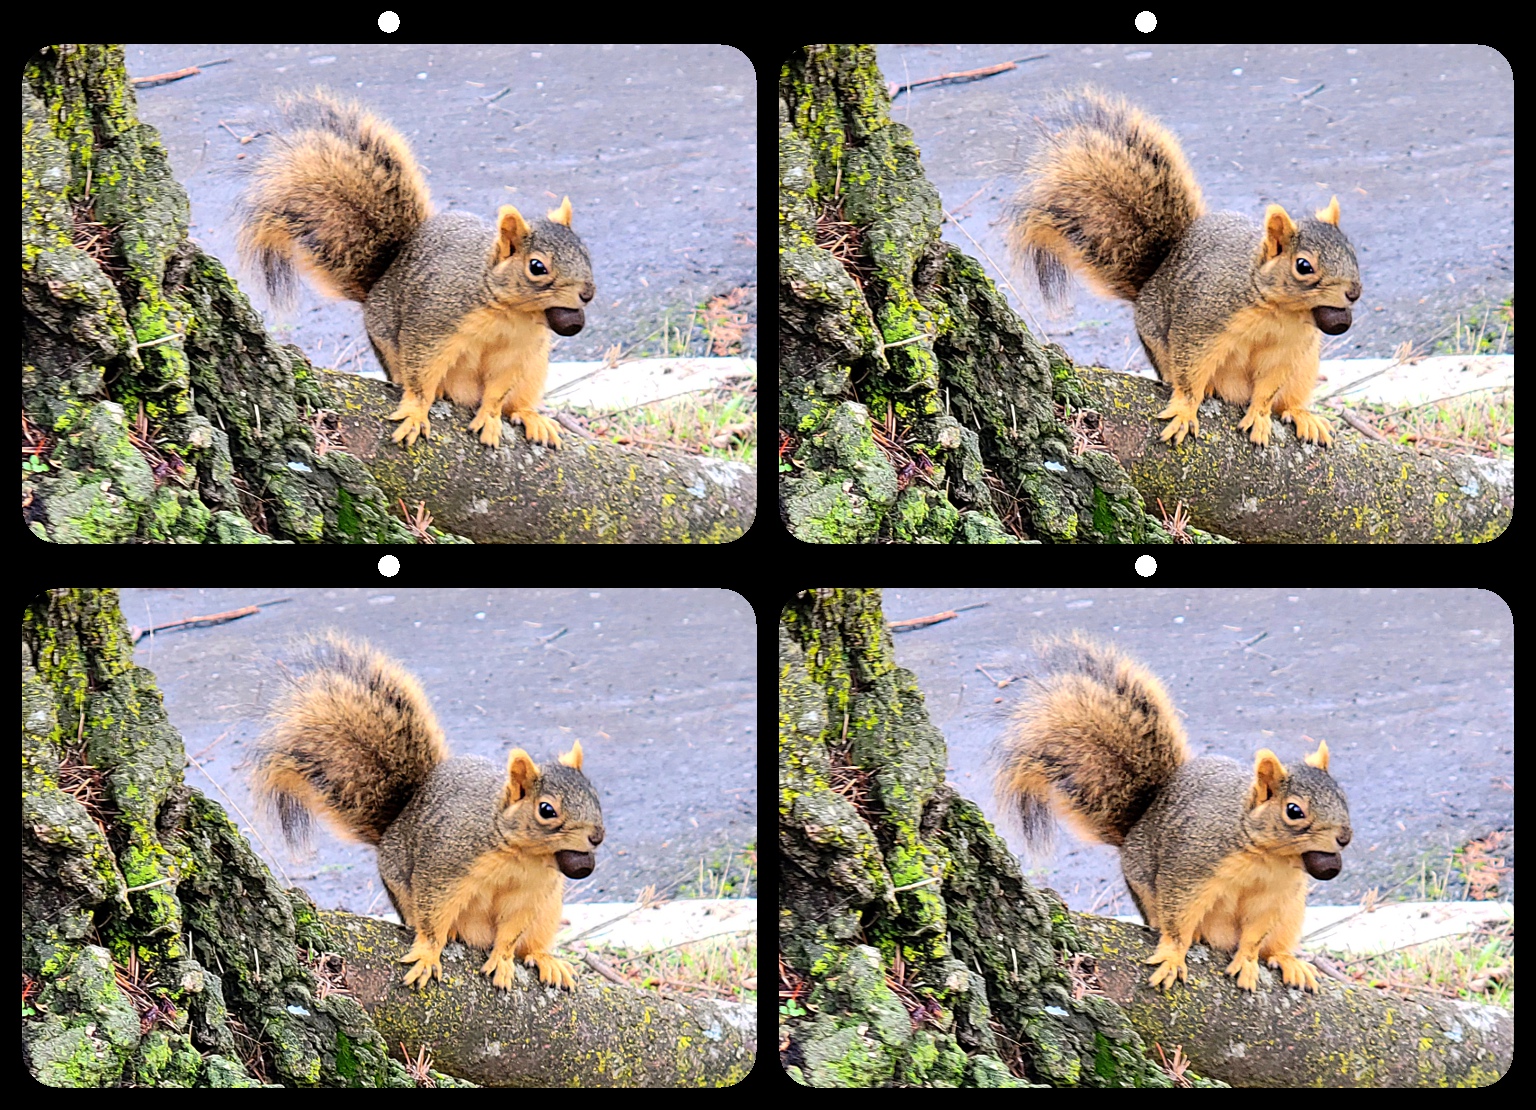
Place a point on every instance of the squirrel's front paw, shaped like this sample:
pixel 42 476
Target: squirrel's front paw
pixel 1310 426
pixel 1259 422
pixel 1173 967
pixel 1247 972
pixel 488 424
pixel 1295 973
pixel 1171 958
pixel 539 429
pixel 552 969
pixel 500 970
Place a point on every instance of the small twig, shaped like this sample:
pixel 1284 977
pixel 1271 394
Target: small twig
pixel 597 965
pixel 1363 426
pixel 1437 400
pixel 963 76
pixel 173 75
pixel 936 618
pixel 711 936
pixel 202 622
pixel 571 424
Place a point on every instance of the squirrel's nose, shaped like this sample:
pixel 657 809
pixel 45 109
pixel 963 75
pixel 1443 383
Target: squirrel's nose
pixel 596 836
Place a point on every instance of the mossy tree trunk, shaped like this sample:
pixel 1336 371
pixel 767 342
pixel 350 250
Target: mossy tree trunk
pixel 155 948
pixel 915 952
pixel 159 408
pixel 914 405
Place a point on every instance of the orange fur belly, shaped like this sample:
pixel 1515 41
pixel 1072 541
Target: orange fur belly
pixel 495 350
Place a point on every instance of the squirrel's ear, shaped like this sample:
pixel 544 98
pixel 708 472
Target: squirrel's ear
pixel 511 230
pixel 522 773
pixel 1330 215
pixel 1268 775
pixel 572 758
pixel 1319 758
pixel 562 215
pixel 1279 230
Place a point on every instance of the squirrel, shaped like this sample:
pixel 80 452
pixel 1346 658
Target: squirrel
pixel 465 849
pixel 1221 306
pixel 452 305
pixel 1209 851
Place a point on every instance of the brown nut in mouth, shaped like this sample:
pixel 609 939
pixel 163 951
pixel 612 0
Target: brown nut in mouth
pixel 1320 865
pixel 1333 321
pixel 569 321
pixel 578 865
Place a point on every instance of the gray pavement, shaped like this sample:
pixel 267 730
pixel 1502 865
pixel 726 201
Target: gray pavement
pixel 659 686
pixel 1417 141
pixel 655 145
pixel 1412 688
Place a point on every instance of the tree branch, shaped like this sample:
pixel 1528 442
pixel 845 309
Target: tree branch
pixel 1343 1036
pixel 594 1035
pixel 1356 491
pixel 583 492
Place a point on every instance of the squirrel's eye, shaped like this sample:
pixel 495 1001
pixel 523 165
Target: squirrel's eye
pixel 1303 267
pixel 537 268
pixel 1293 811
pixel 547 811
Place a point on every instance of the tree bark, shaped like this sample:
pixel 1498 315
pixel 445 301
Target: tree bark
pixel 597 1034
pixel 1356 491
pixel 582 492
pixel 1344 1036
pixel 914 405
pixel 914 953
pixel 158 407
pixel 156 948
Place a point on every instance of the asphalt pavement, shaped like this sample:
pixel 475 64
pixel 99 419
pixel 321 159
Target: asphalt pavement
pixel 655 145
pixel 660 687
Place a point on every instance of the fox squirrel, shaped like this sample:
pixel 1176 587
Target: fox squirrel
pixel 453 306
pixel 1221 306
pixel 1209 851
pixel 465 849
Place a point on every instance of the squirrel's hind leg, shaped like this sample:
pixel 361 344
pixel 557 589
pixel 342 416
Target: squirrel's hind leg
pixel 1170 958
pixel 427 955
pixel 1182 415
pixel 412 414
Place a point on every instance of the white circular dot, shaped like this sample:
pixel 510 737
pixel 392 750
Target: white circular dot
pixel 1146 566
pixel 389 23
pixel 1146 23
pixel 389 566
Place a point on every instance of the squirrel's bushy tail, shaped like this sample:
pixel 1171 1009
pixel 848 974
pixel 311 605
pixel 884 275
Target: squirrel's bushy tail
pixel 1109 195
pixel 352 740
pixel 1095 741
pixel 337 196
